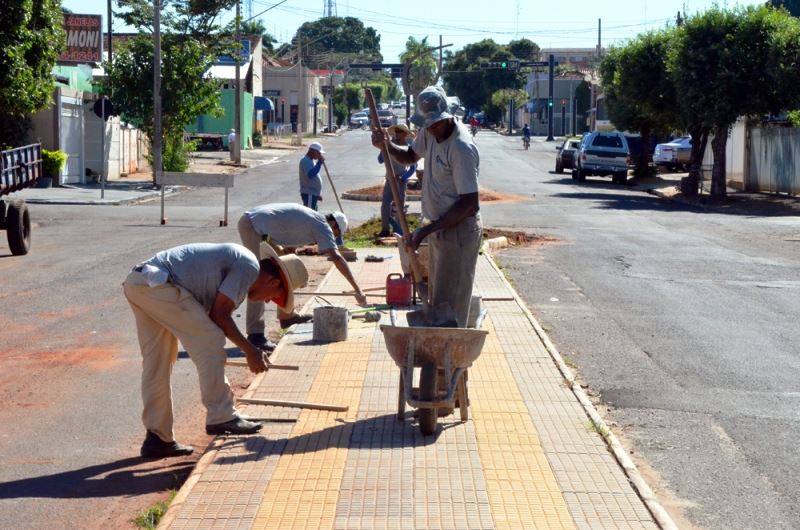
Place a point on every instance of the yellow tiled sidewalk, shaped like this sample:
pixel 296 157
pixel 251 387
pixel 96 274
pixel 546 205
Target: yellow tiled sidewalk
pixel 528 457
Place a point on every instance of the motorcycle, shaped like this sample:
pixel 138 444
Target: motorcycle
pixel 474 130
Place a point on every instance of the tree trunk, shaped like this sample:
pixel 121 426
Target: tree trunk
pixel 690 184
pixel 643 162
pixel 718 184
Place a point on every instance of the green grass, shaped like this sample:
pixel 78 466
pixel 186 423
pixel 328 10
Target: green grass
pixel 150 517
pixel 363 235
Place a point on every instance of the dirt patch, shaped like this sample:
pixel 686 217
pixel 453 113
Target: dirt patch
pixel 517 238
pixel 375 193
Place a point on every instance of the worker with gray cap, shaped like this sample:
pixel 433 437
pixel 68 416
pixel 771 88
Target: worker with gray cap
pixel 310 181
pixel 450 205
pixel 283 225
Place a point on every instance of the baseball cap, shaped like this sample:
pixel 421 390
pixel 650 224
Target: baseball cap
pixel 431 106
pixel 316 146
pixel 341 222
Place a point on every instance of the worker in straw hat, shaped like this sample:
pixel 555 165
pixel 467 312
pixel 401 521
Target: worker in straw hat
pixel 283 225
pixel 189 293
pixel 310 181
pixel 400 135
pixel 450 204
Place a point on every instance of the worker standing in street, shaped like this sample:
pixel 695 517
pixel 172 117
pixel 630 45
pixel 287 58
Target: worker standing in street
pixel 450 204
pixel 310 181
pixel 189 293
pixel 400 135
pixel 283 225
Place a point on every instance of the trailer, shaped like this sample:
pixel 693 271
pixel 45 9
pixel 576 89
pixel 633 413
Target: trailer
pixel 19 168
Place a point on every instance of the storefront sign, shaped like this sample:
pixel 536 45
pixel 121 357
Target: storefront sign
pixel 84 39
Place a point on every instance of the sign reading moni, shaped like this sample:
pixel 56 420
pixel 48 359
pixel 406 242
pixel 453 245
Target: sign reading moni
pixel 84 39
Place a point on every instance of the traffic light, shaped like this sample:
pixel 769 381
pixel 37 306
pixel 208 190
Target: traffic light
pixel 501 65
pixel 550 103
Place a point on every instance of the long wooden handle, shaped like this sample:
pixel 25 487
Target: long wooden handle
pixel 333 188
pixel 416 268
pixel 294 404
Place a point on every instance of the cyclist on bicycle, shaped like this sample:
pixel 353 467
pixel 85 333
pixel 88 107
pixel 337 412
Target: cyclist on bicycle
pixel 526 135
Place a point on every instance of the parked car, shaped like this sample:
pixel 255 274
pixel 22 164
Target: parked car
pixel 358 120
pixel 602 153
pixel 398 105
pixel 387 118
pixel 674 155
pixel 566 153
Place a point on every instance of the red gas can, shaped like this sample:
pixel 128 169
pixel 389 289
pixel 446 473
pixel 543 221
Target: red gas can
pixel 398 289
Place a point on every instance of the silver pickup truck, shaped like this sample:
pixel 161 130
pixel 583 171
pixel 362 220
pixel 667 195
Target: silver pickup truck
pixel 19 168
pixel 602 153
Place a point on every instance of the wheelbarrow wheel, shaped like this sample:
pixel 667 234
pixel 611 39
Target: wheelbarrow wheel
pixel 427 392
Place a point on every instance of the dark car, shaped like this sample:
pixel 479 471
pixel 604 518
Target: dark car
pixel 387 118
pixel 567 152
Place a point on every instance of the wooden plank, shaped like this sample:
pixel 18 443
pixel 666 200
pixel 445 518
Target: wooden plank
pixel 232 362
pixel 293 404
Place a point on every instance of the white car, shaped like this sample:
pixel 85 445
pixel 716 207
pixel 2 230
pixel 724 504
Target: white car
pixel 602 153
pixel 675 154
pixel 359 119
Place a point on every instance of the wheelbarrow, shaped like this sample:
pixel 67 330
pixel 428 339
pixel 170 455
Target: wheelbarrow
pixel 450 350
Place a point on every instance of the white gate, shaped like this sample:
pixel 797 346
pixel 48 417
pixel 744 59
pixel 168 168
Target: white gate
pixel 71 134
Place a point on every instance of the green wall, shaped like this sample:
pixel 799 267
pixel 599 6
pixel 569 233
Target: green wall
pixel 211 125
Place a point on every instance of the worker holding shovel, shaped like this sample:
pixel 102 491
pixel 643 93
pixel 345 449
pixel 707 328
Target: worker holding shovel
pixel 450 205
pixel 310 181
pixel 189 293
pixel 282 225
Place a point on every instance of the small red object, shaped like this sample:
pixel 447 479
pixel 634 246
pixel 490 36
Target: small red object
pixel 398 289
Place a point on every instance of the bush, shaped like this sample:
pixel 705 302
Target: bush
pixel 258 140
pixel 175 156
pixel 53 163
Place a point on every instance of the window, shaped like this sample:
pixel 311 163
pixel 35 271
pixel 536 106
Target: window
pixel 602 140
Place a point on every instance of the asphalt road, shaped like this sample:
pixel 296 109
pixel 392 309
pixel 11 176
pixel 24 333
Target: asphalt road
pixel 683 321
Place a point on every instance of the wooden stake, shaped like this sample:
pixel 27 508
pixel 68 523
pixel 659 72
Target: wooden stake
pixel 293 404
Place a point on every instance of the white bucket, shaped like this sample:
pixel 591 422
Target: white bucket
pixel 330 323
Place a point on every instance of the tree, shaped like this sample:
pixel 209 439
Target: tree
pixel 335 35
pixel 345 99
pixel 423 69
pixel 31 37
pixel 191 40
pixel 256 27
pixel 639 92
pixel 524 49
pixel 504 96
pixel 732 63
pixel 463 76
pixel 793 6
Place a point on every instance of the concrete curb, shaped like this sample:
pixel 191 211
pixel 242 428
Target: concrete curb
pixel 658 512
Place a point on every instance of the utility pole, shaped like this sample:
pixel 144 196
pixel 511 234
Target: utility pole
pixel 236 149
pixel 551 68
pixel 157 98
pixel 110 44
pixel 594 88
pixel 300 95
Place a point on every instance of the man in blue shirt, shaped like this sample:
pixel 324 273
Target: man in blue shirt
pixel 400 135
pixel 310 181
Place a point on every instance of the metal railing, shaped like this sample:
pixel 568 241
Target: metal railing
pixel 20 168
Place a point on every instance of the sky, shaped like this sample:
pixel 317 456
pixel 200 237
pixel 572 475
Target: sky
pixel 549 23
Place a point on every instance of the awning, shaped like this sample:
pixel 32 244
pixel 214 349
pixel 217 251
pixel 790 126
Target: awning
pixel 262 103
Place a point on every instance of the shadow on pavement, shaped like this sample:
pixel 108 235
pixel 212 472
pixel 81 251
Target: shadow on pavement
pixel 129 476
pixel 378 432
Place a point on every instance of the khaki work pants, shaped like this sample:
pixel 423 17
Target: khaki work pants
pixel 254 320
pixel 451 271
pixel 165 314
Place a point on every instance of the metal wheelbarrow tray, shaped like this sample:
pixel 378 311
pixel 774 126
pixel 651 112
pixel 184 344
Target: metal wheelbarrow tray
pixel 447 350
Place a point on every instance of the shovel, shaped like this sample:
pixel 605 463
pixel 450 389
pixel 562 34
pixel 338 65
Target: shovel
pixel 442 315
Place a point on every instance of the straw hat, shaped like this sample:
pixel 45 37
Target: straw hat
pixel 293 274
pixel 394 129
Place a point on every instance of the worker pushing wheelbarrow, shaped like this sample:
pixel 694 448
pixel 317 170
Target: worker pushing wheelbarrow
pixel 436 338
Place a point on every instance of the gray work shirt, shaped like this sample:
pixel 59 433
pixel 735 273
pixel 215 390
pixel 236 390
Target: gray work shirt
pixel 451 169
pixel 292 225
pixel 310 185
pixel 204 269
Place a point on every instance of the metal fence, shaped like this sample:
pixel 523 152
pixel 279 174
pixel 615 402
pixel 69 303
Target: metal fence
pixel 774 161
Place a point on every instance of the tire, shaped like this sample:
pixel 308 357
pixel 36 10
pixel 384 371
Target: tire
pixel 620 177
pixel 559 168
pixel 18 228
pixel 581 174
pixel 427 392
